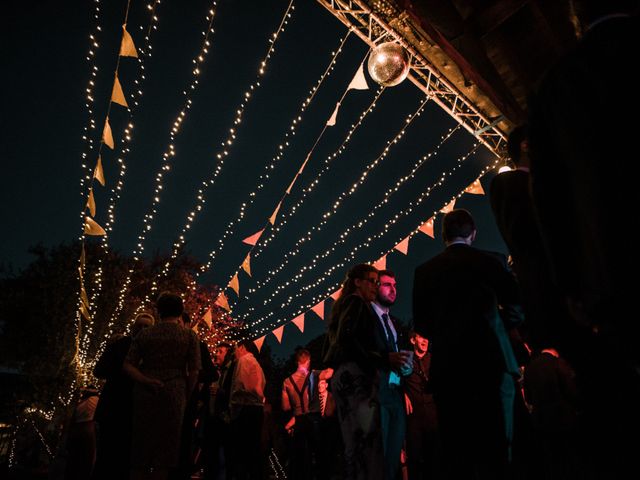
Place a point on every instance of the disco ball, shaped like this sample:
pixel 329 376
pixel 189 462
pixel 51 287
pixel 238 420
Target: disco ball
pixel 388 64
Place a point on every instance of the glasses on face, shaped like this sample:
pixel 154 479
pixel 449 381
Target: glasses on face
pixel 375 281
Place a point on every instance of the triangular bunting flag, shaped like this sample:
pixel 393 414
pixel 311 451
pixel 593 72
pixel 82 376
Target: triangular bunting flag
pixel 127 48
pixel 318 309
pixel 91 227
pixel 359 81
pixel 222 301
pixel 334 116
pixel 91 204
pixel 278 333
pixel 85 312
pixel 246 264
pixel 335 295
pixel 272 218
pixel 207 318
pixel 403 246
pixel 291 184
pixel 259 342
pixel 117 95
pixel 83 296
pixel 253 239
pixel 98 173
pixel 427 228
pixel 235 284
pixel 82 258
pixel 107 137
pixel 449 207
pixel 381 263
pixel 299 322
pixel 304 164
pixel 475 188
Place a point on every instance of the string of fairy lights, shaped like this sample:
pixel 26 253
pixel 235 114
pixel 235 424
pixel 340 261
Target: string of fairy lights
pixel 342 238
pixel 334 208
pixel 348 259
pixel 221 154
pixel 316 180
pixel 167 156
pixel 144 51
pixel 280 153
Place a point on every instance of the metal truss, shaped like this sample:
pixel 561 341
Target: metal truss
pixel 373 30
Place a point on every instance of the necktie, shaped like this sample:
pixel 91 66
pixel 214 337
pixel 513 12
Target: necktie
pixel 390 338
pixel 323 403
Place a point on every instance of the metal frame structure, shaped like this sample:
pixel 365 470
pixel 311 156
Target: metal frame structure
pixel 372 29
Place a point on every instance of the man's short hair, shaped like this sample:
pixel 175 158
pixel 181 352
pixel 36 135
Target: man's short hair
pixel 386 273
pixel 169 305
pixel 302 355
pixel 457 224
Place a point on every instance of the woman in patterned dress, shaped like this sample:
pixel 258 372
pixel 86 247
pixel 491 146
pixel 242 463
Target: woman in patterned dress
pixel 164 361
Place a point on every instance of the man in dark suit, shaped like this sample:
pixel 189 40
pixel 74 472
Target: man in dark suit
pixel 390 339
pixel 583 186
pixel 456 296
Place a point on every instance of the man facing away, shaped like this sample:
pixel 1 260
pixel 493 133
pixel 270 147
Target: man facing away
pixel 456 296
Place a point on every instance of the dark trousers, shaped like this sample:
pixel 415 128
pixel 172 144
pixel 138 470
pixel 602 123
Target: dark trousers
pixel 423 440
pixel 245 455
pixel 393 425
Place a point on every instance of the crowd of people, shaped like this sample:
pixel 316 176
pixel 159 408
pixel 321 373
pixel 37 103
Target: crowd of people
pixel 520 369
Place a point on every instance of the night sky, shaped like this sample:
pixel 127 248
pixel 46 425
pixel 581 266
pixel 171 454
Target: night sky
pixel 45 76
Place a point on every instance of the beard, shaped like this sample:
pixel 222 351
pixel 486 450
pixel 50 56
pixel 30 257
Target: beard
pixel 385 301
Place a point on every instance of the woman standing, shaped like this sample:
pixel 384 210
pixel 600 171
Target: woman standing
pixel 357 352
pixel 164 361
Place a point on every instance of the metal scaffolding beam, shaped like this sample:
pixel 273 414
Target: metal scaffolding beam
pixel 373 30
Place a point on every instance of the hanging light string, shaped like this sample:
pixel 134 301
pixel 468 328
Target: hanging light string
pixel 347 260
pixel 361 224
pixel 167 156
pixel 125 149
pixel 82 300
pixel 87 136
pixel 316 180
pixel 282 148
pixel 325 217
pixel 222 154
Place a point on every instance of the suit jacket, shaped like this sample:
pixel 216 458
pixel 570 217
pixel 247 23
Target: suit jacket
pixel 115 405
pixel 456 296
pixel 356 334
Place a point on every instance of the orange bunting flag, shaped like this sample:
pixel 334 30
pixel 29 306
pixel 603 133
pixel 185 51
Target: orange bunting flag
pixel 318 309
pixel 278 333
pixel 127 48
pixel 82 259
pixel 85 312
pixel 335 295
pixel 222 301
pixel 117 95
pixel 207 318
pixel 381 263
pixel 359 81
pixel 258 342
pixel 304 164
pixel 427 228
pixel 403 246
pixel 235 284
pixel 98 173
pixel 91 227
pixel 84 297
pixel 107 137
pixel 246 264
pixel 272 218
pixel 292 183
pixel 253 239
pixel 334 116
pixel 449 207
pixel 91 204
pixel 299 322
pixel 475 188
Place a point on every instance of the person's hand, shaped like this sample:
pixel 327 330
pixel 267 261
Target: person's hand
pixel 289 426
pixel 154 384
pixel 401 360
pixel 407 404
